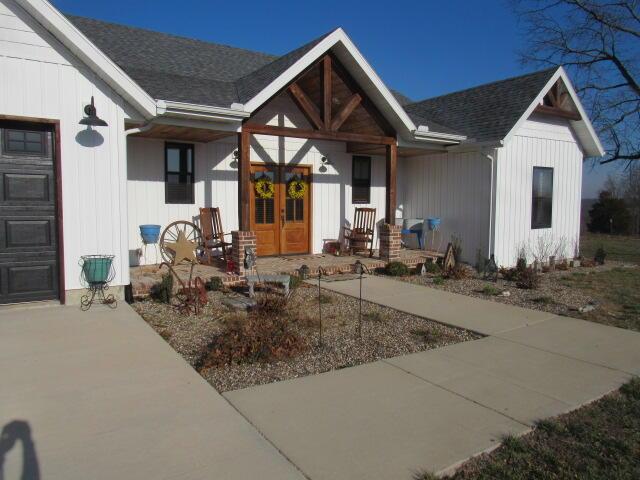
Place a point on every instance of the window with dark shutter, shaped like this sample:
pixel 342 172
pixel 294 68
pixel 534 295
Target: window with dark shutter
pixel 361 180
pixel 179 173
pixel 542 198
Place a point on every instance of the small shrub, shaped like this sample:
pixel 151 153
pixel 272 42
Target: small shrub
pixel 600 255
pixel 458 272
pixel 432 268
pixel 294 282
pixel 425 335
pixel 456 245
pixel 373 316
pixel 438 280
pixel 270 305
pixel 528 279
pixel 325 299
pixel 521 264
pixel 396 269
pixel 490 290
pixel 256 338
pixel 214 284
pixel 509 274
pixel 544 300
pixel 163 291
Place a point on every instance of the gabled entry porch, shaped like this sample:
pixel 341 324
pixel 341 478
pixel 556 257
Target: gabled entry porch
pixel 333 109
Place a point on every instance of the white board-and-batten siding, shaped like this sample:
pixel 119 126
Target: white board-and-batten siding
pixel 454 187
pixel 540 142
pixel 39 78
pixel 216 179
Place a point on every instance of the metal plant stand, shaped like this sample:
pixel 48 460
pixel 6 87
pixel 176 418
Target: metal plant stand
pixel 97 273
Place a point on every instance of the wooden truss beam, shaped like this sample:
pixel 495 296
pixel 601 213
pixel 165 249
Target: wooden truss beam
pixel 327 90
pixel 307 106
pixel 317 134
pixel 557 112
pixel 346 111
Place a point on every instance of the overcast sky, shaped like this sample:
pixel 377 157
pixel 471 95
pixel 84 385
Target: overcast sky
pixel 422 48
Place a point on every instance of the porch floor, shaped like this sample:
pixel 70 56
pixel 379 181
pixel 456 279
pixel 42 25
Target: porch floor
pixel 144 277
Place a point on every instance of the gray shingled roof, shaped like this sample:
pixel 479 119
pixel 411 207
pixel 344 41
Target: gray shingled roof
pixel 486 112
pixel 181 69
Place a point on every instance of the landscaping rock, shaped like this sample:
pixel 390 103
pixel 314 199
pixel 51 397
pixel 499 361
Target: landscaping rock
pixel 239 303
pixel 587 308
pixel 505 293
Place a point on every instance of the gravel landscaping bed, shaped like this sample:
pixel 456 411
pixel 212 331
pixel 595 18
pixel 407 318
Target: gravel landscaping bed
pixel 554 295
pixel 385 333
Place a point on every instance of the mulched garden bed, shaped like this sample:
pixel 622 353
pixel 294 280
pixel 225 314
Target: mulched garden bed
pixel 385 333
pixel 554 295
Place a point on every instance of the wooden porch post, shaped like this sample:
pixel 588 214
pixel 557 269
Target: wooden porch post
pixel 392 161
pixel 244 180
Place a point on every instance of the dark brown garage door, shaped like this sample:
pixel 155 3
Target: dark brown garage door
pixel 28 236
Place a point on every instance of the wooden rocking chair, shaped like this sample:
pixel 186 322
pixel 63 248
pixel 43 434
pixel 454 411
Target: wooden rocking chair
pixel 212 233
pixel 361 233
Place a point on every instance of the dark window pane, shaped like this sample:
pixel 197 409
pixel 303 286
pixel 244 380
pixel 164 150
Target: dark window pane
pixel 361 179
pixel 259 211
pixel 173 160
pixel 542 198
pixel 299 210
pixel 179 175
pixel 22 141
pixel 269 211
pixel 290 210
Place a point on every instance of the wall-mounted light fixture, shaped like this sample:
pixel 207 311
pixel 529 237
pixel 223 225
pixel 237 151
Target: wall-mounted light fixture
pixel 325 161
pixel 236 155
pixel 92 119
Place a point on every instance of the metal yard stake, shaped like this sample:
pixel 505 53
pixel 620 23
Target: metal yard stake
pixel 359 268
pixel 320 273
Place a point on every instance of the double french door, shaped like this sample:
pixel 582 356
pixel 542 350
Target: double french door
pixel 281 222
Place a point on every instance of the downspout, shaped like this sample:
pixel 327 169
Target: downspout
pixel 491 159
pixel 141 129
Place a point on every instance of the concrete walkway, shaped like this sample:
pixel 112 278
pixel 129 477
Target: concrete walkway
pixel 102 396
pixel 434 409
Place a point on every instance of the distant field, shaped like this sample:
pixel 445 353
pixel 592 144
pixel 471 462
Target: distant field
pixel 621 248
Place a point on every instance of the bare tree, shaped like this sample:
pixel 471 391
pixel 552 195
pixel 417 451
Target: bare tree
pixel 599 43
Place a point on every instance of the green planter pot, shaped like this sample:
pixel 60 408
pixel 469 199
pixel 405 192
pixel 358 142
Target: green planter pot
pixel 97 268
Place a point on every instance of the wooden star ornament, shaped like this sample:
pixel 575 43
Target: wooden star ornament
pixel 184 249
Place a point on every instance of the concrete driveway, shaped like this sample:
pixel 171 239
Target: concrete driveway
pixel 434 409
pixel 99 395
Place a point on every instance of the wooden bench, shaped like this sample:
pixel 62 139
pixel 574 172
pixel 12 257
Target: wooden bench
pixel 281 279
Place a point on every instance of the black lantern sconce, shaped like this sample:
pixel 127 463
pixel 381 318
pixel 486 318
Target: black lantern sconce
pixel 92 119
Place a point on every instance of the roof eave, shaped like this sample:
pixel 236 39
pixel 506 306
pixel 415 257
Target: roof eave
pixel 65 32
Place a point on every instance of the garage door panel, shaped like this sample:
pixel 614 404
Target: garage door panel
pixel 28 222
pixel 30 279
pixel 32 187
pixel 29 233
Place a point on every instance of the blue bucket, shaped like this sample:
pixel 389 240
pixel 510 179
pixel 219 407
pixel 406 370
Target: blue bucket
pixel 150 233
pixel 433 223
